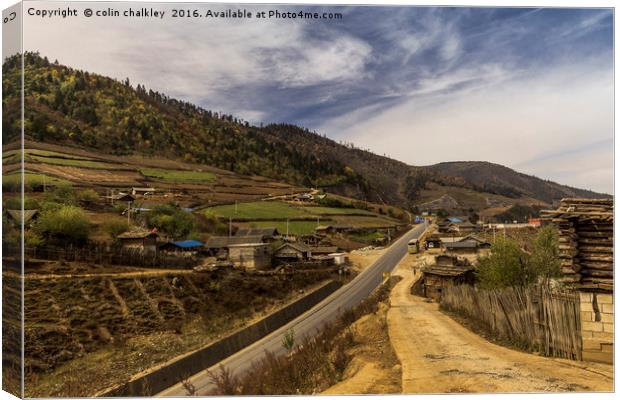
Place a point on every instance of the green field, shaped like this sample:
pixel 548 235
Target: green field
pixel 69 162
pixel 294 227
pixel 178 175
pixel 48 157
pixel 259 209
pixel 333 210
pixel 32 179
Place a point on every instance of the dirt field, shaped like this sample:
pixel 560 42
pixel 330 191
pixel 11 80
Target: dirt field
pixel 361 259
pixel 89 332
pixel 438 355
pixel 374 368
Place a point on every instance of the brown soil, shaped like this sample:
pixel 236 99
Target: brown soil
pixel 86 333
pixel 362 259
pixel 374 367
pixel 439 355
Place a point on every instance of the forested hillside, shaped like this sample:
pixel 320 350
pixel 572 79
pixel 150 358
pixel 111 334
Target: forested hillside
pixel 68 106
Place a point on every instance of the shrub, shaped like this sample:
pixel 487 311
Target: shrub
pixel 65 225
pixel 115 227
pixel 87 196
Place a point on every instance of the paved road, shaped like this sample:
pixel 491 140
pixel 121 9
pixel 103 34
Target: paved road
pixel 308 323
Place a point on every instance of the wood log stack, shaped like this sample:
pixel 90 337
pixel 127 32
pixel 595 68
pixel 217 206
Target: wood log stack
pixel 586 239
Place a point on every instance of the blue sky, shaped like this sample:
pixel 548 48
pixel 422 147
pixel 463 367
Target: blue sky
pixel 528 88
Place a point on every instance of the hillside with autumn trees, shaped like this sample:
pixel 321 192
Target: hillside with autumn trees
pixel 64 105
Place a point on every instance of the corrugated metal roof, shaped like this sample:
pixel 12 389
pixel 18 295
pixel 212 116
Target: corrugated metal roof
pixel 218 242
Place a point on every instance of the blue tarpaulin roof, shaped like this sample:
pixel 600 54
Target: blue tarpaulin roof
pixel 189 243
pixel 455 220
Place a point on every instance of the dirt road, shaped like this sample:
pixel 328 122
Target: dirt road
pixel 438 355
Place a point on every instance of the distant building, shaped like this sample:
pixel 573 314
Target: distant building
pixel 144 191
pixel 141 240
pixel 331 229
pixel 253 256
pixel 293 252
pixel 185 246
pixel 311 240
pixel 304 197
pixel 122 197
pixel 217 243
pixel 466 227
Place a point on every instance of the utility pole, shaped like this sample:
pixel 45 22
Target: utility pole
pixel 128 212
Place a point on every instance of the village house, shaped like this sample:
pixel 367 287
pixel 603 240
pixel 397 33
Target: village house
pixel 291 252
pixel 250 256
pixel 142 240
pixel 466 227
pixel 267 235
pixel 331 229
pixel 311 240
pixel 218 245
pixel 185 247
pixel 446 226
pixel 447 270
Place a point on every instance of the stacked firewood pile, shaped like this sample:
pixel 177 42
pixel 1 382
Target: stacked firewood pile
pixel 586 241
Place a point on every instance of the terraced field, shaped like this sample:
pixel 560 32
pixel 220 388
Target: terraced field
pixel 86 334
pixel 195 184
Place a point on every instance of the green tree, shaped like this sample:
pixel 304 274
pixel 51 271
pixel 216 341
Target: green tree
pixel 545 261
pixel 171 220
pixel 64 225
pixel 506 265
pixel 115 226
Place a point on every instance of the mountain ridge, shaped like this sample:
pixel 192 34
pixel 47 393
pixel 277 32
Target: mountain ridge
pixel 73 107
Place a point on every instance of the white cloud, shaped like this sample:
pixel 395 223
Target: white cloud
pixel 507 121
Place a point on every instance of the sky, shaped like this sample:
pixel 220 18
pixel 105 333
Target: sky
pixel 531 89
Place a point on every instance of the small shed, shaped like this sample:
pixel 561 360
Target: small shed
pixel 140 240
pixel 293 252
pixel 252 256
pixel 432 242
pixel 339 258
pixel 446 271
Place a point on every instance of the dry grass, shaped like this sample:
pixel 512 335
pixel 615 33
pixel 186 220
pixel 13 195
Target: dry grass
pixel 311 367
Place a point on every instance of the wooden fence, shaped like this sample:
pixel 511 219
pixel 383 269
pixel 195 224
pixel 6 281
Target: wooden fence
pixel 534 318
pixel 109 255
